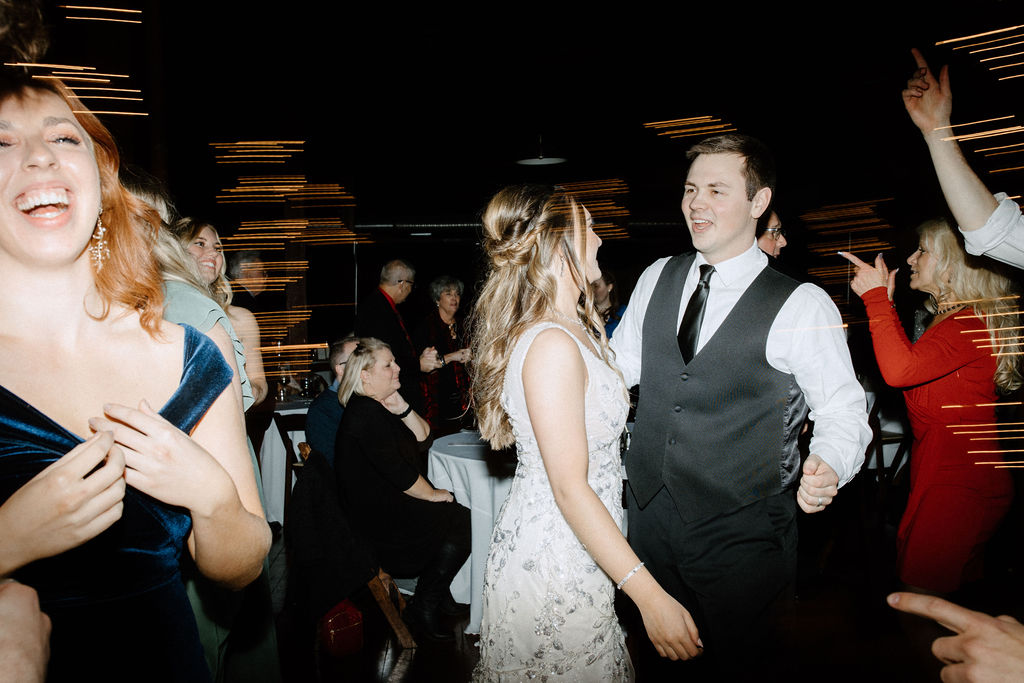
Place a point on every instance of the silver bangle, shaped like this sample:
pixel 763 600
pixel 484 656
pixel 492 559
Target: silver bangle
pixel 629 576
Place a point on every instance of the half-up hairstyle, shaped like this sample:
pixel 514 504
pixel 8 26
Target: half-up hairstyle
pixel 991 295
pixel 528 230
pixel 129 276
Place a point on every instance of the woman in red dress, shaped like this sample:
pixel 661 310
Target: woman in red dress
pixel 950 379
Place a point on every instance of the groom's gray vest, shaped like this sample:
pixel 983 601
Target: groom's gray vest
pixel 721 432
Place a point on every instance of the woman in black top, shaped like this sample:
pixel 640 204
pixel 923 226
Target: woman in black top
pixel 415 529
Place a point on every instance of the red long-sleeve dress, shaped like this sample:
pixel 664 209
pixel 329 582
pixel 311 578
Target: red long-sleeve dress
pixel 955 504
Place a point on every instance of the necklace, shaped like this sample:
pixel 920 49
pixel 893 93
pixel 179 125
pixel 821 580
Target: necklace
pixel 940 310
pixel 451 329
pixel 576 321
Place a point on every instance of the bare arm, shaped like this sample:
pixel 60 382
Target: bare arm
pixel 554 378
pixel 248 331
pixel 210 474
pixel 424 491
pixel 397 405
pixel 929 102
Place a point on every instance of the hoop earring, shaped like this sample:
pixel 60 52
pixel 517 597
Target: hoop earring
pixel 99 251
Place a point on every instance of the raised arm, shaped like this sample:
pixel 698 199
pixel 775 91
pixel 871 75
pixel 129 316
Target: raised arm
pixel 554 379
pixel 248 331
pixel 929 102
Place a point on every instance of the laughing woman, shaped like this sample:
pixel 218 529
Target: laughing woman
pixel 951 376
pixel 100 491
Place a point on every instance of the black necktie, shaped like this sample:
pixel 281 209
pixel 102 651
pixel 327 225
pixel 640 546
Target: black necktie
pixel 689 329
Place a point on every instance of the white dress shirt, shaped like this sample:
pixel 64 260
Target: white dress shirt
pixel 807 340
pixel 1002 236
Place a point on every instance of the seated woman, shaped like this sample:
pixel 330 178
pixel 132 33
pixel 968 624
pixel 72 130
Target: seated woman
pixel 101 492
pixel 415 529
pixel 951 377
pixel 447 388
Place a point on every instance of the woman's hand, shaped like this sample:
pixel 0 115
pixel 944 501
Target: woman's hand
pixel 869 277
pixel 443 496
pixel 395 403
pixel 670 627
pixel 164 462
pixel 71 501
pixel 460 356
pixel 928 101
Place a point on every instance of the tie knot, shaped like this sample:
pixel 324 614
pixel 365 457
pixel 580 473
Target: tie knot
pixel 705 274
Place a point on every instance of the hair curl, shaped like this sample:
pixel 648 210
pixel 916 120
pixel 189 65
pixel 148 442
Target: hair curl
pixel 526 229
pixel 130 276
pixel 990 294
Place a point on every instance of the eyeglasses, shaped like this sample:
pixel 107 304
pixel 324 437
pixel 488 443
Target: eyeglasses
pixel 411 283
pixel 776 233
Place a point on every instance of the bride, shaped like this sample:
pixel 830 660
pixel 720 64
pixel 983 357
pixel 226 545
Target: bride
pixel 543 379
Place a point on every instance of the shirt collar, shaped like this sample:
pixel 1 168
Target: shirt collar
pixel 736 268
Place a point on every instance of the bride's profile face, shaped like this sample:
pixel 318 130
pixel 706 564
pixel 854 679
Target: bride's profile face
pixel 48 178
pixel 206 249
pixel 593 243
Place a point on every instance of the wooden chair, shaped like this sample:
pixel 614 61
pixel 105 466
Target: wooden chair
pixel 391 603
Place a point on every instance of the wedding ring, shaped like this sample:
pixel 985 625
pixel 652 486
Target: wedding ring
pixel 820 504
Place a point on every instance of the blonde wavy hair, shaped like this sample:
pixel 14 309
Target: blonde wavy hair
pixel 527 229
pixel 188 229
pixel 972 280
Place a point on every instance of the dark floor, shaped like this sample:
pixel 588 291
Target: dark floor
pixel 839 629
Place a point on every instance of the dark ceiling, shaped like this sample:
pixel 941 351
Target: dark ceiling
pixel 420 113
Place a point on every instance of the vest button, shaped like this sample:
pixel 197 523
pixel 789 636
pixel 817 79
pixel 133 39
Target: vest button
pixel 671 442
pixel 685 376
pixel 678 409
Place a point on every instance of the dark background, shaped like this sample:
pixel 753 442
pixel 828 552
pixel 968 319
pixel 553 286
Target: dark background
pixel 420 113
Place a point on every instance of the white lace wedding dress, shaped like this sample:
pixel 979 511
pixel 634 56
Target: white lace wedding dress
pixel 548 609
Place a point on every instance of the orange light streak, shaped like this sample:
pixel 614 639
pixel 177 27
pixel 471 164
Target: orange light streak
pixel 979 35
pixel 118 21
pixel 988 42
pixel 51 66
pixel 1012 54
pixel 974 123
pixel 995 47
pixel 986 134
pixel 101 9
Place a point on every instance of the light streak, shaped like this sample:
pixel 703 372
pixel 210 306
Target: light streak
pixel 974 123
pixel 987 42
pixel 101 9
pixel 51 66
pixel 117 21
pixel 1012 54
pixel 995 47
pixel 985 134
pixel 122 113
pixel 1004 170
pixel 979 35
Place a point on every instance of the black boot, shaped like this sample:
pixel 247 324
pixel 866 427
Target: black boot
pixel 424 612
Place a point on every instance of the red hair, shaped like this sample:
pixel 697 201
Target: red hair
pixel 130 276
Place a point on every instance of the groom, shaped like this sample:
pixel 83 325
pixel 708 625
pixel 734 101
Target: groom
pixel 730 355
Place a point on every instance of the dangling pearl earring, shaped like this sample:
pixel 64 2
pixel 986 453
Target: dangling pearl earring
pixel 99 251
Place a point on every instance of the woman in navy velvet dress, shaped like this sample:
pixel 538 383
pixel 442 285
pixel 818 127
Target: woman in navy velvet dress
pixel 100 491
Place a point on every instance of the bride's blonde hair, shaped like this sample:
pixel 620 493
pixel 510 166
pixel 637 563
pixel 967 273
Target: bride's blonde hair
pixel 529 232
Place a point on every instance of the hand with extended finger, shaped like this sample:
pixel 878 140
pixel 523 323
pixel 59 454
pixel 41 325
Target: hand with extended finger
pixel 984 648
pixel 164 462
pixel 818 485
pixel 71 501
pixel 928 101
pixel 670 627
pixel 868 276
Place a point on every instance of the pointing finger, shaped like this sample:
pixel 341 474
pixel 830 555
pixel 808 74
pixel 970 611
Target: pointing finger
pixel 853 259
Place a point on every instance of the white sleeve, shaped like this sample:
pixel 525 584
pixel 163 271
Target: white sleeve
pixel 627 340
pixel 808 340
pixel 1002 236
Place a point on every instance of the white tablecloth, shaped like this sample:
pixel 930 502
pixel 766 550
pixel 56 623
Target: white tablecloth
pixel 460 463
pixel 272 459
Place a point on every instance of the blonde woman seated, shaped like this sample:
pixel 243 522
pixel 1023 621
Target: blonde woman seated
pixel 415 529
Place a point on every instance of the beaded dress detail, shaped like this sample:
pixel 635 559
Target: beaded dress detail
pixel 548 609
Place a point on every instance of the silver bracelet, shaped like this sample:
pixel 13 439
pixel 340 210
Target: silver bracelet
pixel 629 576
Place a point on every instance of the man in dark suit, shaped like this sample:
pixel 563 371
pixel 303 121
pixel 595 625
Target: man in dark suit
pixel 378 317
pixel 730 356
